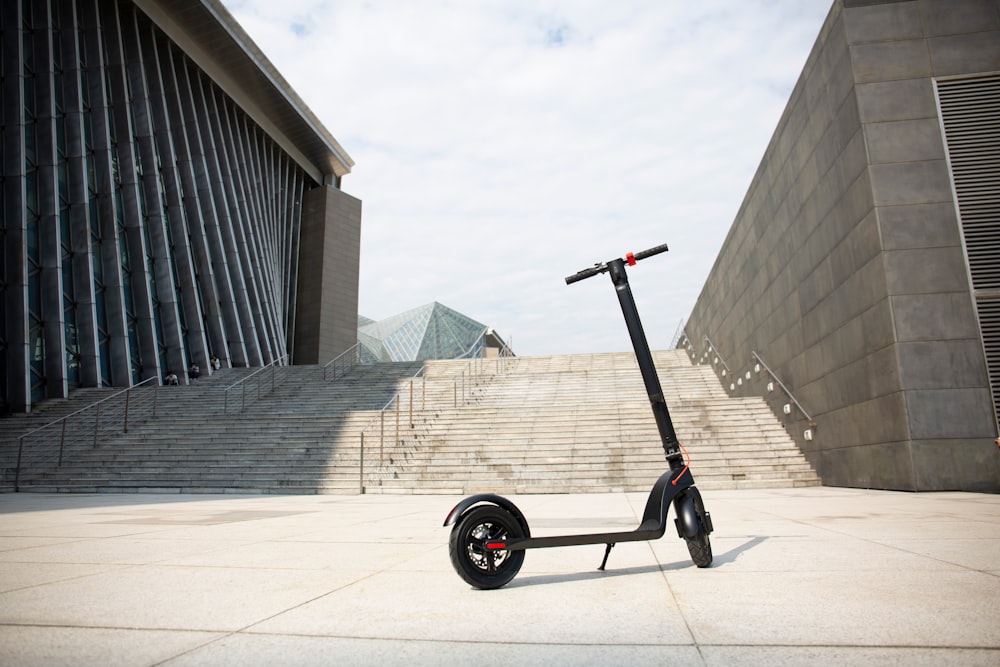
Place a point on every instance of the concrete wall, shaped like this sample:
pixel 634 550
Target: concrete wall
pixel 326 322
pixel 844 269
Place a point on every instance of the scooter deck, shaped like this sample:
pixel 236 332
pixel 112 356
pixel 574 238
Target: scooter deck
pixel 654 520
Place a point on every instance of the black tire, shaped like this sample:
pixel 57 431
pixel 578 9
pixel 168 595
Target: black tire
pixel 690 513
pixel 700 548
pixel 478 566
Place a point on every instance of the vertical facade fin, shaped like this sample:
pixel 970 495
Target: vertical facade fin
pixel 148 221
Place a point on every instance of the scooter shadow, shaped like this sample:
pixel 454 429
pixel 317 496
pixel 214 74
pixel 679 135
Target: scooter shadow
pixel 543 579
pixel 720 560
pixel 734 553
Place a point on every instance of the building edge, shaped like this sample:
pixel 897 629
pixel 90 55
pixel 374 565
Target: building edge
pixel 842 291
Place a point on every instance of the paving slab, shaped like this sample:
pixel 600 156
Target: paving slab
pixel 800 577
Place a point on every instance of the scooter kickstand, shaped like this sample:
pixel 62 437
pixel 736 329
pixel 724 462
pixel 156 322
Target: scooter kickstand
pixel 607 552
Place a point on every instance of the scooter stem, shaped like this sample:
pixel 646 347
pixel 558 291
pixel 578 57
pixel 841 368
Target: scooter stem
pixel 671 446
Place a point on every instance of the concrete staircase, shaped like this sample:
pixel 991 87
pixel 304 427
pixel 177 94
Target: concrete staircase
pixel 296 439
pixel 84 421
pixel 582 423
pixel 577 423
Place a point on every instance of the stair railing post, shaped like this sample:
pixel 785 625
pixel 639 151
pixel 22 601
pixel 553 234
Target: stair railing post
pixel 17 470
pixel 97 424
pixel 128 395
pixel 62 441
pixel 361 466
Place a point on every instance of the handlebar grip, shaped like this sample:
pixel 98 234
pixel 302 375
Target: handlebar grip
pixel 649 253
pixel 586 273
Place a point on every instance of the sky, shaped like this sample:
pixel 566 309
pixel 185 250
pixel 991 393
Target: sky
pixel 501 145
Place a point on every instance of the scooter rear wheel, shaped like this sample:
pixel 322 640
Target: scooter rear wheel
pixel 478 566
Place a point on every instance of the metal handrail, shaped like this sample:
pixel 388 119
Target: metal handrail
pixel 476 347
pixel 474 362
pixel 504 360
pixel 244 382
pixel 683 341
pixel 393 404
pixel 678 334
pixel 354 351
pixel 380 418
pixel 712 348
pixel 97 423
pixel 504 356
pixel 784 388
pixel 459 384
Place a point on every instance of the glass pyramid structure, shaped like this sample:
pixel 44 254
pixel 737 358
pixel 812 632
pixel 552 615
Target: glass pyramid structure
pixel 433 331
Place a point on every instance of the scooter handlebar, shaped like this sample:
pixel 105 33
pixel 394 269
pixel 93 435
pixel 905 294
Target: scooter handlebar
pixel 652 251
pixel 586 273
pixel 630 258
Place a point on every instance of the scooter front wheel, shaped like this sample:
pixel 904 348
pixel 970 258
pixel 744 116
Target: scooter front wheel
pixel 478 566
pixel 694 525
pixel 700 548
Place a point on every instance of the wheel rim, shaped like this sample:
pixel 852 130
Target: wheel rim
pixel 483 559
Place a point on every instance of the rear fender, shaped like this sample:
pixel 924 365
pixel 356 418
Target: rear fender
pixel 456 513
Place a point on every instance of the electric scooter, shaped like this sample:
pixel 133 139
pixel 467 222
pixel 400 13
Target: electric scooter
pixel 490 534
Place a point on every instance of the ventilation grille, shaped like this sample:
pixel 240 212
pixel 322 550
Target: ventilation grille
pixel 989 320
pixel 970 111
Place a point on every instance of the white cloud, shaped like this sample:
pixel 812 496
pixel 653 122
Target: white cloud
pixel 503 144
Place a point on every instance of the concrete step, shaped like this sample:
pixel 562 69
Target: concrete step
pixel 544 425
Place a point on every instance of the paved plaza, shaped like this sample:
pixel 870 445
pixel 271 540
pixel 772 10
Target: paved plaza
pixel 801 576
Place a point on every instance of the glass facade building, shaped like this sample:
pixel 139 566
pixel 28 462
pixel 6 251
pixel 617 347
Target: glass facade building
pixel 162 190
pixel 432 331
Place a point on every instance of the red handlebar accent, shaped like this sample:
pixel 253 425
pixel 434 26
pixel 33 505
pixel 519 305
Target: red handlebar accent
pixel 630 258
